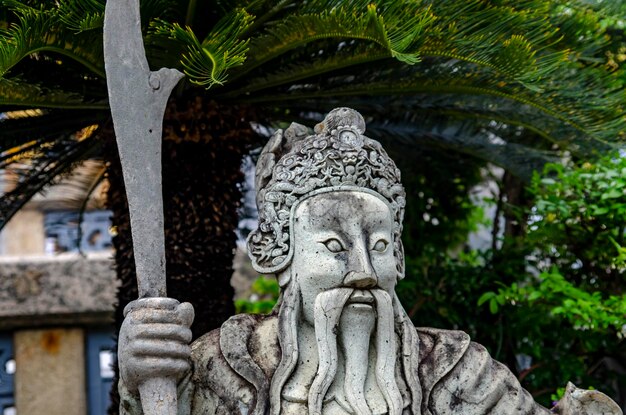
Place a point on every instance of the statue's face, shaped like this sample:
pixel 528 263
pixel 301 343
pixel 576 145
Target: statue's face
pixel 343 239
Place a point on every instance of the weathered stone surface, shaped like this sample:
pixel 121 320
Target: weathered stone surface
pixel 137 97
pixel 330 219
pixel 50 372
pixel 586 402
pixel 65 289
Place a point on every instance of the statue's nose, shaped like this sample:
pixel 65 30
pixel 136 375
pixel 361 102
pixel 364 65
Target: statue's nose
pixel 361 274
pixel 361 280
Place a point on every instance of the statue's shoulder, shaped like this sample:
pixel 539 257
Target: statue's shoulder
pixel 452 342
pixel 439 352
pixel 237 359
pixel 240 327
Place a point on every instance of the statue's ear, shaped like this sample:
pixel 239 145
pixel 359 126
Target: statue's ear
pixel 399 254
pixel 284 277
pixel 263 254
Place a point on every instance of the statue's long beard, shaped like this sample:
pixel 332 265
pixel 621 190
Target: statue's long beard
pixel 329 308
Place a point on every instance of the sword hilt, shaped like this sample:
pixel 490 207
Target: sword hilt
pixel 158 396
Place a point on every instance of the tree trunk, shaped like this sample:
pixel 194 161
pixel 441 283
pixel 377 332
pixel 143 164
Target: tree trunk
pixel 203 147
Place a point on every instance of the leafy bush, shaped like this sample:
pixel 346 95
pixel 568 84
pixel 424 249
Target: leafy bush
pixel 573 289
pixel 549 302
pixel 264 294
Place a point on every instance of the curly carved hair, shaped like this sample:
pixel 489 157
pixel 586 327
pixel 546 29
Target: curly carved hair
pixel 337 157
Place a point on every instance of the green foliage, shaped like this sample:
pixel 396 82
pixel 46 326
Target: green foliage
pixel 577 228
pixel 573 282
pixel 583 310
pixel 81 16
pixel 552 296
pixel 206 63
pixel 394 27
pixel 500 81
pixel 438 218
pixel 41 28
pixel 264 294
pixel 582 217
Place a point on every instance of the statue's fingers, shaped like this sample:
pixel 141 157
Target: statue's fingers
pixel 153 316
pixel 160 303
pixel 161 366
pixel 165 331
pixel 186 313
pixel 168 349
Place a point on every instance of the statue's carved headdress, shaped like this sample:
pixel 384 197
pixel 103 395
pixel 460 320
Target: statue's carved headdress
pixel 294 166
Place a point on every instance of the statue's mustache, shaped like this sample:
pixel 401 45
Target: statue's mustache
pixel 357 295
pixel 362 296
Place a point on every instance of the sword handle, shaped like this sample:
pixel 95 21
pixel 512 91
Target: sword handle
pixel 158 396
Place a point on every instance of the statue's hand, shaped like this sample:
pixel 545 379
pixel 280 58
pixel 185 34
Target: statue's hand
pixel 585 402
pixel 154 340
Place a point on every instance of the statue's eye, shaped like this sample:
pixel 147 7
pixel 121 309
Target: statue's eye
pixel 380 245
pixel 333 245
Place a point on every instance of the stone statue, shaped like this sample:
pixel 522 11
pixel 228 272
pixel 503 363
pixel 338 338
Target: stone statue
pixel 330 217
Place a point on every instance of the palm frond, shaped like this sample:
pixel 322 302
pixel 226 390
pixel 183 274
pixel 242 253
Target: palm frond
pixel 602 123
pixel 21 127
pixel 327 61
pixel 45 167
pixel 586 26
pixel 251 6
pixel 512 40
pixel 17 92
pixel 464 137
pixel 82 15
pixel 40 29
pixel 206 62
pixel 395 29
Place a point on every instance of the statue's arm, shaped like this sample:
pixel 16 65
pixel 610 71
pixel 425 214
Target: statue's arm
pixel 479 385
pixel 586 402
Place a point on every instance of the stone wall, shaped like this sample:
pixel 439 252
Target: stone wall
pixel 48 291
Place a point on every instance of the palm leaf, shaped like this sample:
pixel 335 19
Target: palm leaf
pixel 206 62
pixel 17 92
pixel 82 15
pixel 513 41
pixel 464 137
pixel 22 127
pixel 343 23
pixel 44 168
pixel 602 124
pixel 290 73
pixel 40 29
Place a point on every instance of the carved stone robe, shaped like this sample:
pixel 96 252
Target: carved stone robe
pixel 233 366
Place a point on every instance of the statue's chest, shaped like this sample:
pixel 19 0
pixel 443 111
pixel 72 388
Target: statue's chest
pixel 330 408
